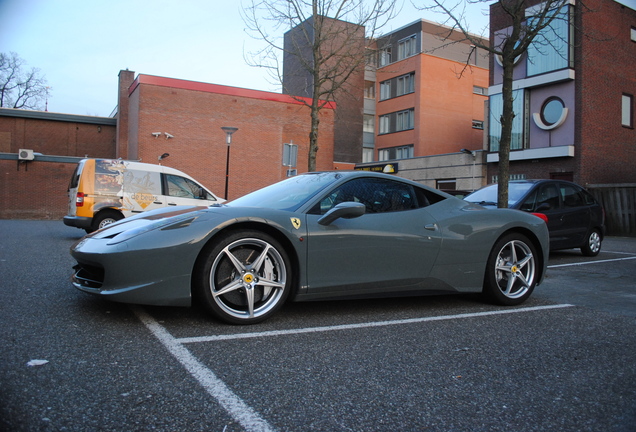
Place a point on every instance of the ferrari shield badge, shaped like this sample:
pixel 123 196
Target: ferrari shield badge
pixel 295 222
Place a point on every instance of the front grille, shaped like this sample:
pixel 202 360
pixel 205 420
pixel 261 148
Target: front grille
pixel 88 276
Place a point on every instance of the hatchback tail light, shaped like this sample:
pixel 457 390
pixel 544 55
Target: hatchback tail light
pixel 542 216
pixel 79 199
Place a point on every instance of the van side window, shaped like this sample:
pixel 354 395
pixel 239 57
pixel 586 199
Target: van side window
pixel 181 187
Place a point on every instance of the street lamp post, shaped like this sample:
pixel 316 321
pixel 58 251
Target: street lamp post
pixel 228 139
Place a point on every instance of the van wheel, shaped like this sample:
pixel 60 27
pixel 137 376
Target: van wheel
pixel 105 218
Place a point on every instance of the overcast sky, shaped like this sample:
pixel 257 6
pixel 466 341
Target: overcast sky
pixel 81 45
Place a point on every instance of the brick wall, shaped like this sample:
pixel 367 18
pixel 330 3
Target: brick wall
pixel 37 189
pixel 34 190
pixel 605 71
pixel 193 113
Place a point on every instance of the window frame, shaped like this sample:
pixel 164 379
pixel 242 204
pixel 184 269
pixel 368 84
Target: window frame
pixel 407 47
pixel 627 110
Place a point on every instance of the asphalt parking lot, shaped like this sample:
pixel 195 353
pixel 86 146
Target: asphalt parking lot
pixel 564 360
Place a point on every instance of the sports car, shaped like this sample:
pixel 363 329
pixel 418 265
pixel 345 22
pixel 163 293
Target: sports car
pixel 315 236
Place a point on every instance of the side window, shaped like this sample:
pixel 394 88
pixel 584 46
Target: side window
pixel 589 199
pixel 571 196
pixel 378 196
pixel 529 203
pixel 177 186
pixel 548 195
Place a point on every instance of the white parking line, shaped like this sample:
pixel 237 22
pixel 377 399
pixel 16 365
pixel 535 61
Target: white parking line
pixel 234 405
pixel 591 262
pixel 363 325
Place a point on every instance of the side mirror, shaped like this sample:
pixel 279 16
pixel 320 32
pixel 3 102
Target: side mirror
pixel 347 210
pixel 202 194
pixel 543 207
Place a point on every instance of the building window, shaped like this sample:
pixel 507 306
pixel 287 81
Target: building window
pixel 369 89
pixel 385 124
pixel 401 152
pixel 385 90
pixel 405 120
pixel 633 34
pixel 446 184
pixel 397 121
pixel 385 56
pixel 290 155
pixel 478 124
pixel 405 84
pixel 368 123
pixel 407 47
pixel 519 122
pixel 480 90
pixel 627 117
pixel 551 50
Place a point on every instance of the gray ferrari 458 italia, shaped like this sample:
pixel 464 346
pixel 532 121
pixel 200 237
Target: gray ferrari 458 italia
pixel 312 237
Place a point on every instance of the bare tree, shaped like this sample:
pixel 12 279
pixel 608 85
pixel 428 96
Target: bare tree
pixel 327 41
pixel 526 23
pixel 20 88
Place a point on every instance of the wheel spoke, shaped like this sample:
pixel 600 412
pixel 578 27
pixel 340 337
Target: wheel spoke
pixel 510 285
pixel 258 263
pixel 513 252
pixel 238 265
pixel 232 286
pixel 249 294
pixel 521 264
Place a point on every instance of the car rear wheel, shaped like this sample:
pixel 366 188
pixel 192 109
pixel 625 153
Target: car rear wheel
pixel 244 278
pixel 512 270
pixel 592 245
pixel 105 218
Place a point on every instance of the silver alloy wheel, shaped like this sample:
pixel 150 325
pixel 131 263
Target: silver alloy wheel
pixel 594 242
pixel 515 269
pixel 247 278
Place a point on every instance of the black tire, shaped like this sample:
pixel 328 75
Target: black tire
pixel 251 268
pixel 592 245
pixel 512 270
pixel 105 218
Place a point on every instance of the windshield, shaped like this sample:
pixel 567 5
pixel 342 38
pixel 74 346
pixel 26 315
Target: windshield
pixel 288 194
pixel 488 195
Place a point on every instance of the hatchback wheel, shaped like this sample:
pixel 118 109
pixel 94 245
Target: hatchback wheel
pixel 512 270
pixel 244 278
pixel 592 245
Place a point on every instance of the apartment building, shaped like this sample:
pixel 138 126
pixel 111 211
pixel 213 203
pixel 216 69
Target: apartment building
pixel 574 96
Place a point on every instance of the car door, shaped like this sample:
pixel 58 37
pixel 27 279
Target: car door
pixel 394 244
pixel 546 199
pixel 575 216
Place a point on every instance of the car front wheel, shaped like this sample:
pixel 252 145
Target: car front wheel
pixel 512 270
pixel 592 245
pixel 244 278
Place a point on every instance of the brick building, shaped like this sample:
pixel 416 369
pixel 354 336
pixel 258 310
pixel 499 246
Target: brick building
pixel 189 116
pixel 574 91
pixel 155 116
pixel 36 189
pixel 424 104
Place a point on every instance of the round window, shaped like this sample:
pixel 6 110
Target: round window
pixel 552 111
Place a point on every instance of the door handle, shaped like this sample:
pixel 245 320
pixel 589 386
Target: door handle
pixel 431 227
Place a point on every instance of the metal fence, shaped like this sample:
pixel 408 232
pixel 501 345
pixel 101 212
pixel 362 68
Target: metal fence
pixel 619 201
